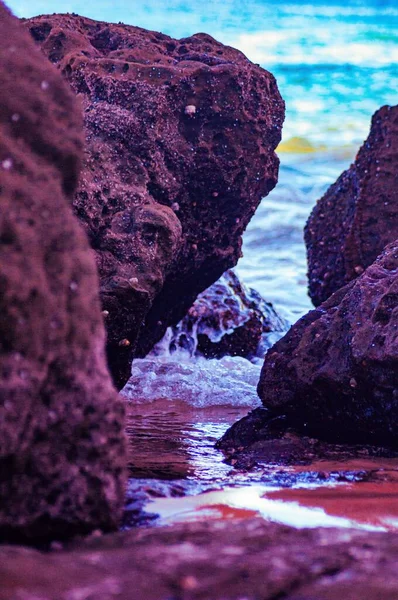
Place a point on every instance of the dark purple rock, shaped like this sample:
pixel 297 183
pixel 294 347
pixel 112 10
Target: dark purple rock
pixel 335 373
pixel 180 150
pixel 227 319
pixel 62 449
pixel 358 215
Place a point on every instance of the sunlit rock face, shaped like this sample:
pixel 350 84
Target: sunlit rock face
pixel 180 150
pixel 62 449
pixel 358 216
pixel 335 373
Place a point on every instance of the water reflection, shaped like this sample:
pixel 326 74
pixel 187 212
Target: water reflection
pixel 173 458
pixel 172 440
pixel 373 507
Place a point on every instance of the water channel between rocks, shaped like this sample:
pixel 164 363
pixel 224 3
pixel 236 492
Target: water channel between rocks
pixel 177 475
pixel 178 409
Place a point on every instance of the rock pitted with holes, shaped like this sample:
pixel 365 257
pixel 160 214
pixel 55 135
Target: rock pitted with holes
pixel 180 150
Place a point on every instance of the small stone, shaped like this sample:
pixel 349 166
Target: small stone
pixel 190 110
pixel 353 383
pixel 124 343
pixel 105 313
pixel 189 582
pixel 358 269
pixel 175 206
pixel 7 164
pixel 133 280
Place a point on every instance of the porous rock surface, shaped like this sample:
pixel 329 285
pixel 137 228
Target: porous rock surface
pixel 358 216
pixel 335 373
pixel 62 449
pixel 180 150
pixel 227 319
pixel 221 560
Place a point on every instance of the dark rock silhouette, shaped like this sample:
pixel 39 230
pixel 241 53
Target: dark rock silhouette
pixel 227 319
pixel 335 373
pixel 62 449
pixel 358 215
pixel 180 150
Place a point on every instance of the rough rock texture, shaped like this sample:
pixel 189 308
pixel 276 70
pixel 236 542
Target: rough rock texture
pixel 227 319
pixel 335 373
pixel 358 215
pixel 221 560
pixel 62 448
pixel 180 150
pixel 262 441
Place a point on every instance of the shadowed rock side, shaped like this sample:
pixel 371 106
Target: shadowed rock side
pixel 62 450
pixel 180 150
pixel 222 560
pixel 227 319
pixel 335 373
pixel 358 215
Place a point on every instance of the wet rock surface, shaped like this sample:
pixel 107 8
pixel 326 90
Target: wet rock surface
pixel 334 374
pixel 180 150
pixel 259 439
pixel 62 449
pixel 358 216
pixel 227 319
pixel 219 560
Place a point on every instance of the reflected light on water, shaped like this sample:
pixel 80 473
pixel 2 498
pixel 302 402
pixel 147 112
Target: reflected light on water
pixel 280 506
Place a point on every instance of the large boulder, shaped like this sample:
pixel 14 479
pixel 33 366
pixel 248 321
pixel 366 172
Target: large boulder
pixel 180 150
pixel 358 215
pixel 62 449
pixel 335 373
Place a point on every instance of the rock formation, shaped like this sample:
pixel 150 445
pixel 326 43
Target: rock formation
pixel 62 449
pixel 220 559
pixel 358 215
pixel 335 373
pixel 227 319
pixel 180 150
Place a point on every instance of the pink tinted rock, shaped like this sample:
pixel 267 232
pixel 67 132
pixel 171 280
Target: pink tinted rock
pixel 62 448
pixel 180 150
pixel 335 373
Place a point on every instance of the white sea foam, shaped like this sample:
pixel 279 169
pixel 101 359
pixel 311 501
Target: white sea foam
pixel 230 381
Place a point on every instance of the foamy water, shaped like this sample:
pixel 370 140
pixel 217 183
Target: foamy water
pixel 200 382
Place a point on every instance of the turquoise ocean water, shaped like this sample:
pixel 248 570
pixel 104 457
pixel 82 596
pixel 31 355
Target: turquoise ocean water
pixel 335 62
